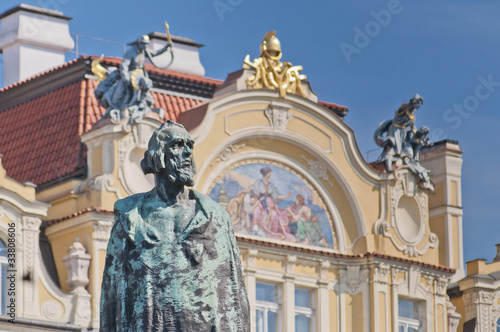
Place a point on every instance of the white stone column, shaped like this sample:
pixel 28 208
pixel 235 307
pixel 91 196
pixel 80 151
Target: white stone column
pixel 288 296
pixel 30 256
pixel 453 317
pixel 323 302
pixel 100 238
pixel 250 272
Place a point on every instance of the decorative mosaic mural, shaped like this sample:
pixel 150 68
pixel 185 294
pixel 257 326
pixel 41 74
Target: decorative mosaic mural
pixel 273 201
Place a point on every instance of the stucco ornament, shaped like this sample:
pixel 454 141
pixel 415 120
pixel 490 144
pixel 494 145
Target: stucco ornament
pixel 172 261
pixel 402 141
pixel 125 91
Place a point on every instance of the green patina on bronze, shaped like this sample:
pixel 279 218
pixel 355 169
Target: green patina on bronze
pixel 172 260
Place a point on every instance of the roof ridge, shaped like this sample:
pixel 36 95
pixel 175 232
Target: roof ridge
pixel 166 71
pixel 43 73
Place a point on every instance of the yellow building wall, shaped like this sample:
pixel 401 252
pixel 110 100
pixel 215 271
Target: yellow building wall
pixel 269 263
pixel 306 269
pixel 44 296
pixel 382 307
pixel 437 199
pixel 440 317
pixel 438 227
pixel 355 315
pixel 333 317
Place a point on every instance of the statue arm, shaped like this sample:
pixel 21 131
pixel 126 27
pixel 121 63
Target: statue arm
pixel 124 67
pixel 151 56
pixel 159 52
pixel 110 311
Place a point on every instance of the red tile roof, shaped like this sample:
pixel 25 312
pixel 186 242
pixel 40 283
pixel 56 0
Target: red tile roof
pixel 378 167
pixel 40 137
pixel 44 73
pixel 338 109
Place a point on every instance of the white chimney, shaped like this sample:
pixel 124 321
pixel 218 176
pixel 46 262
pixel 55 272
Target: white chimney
pixel 186 53
pixel 32 40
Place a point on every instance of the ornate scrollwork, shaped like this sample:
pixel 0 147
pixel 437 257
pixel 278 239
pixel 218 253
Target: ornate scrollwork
pixel 30 239
pixel 102 230
pixel 406 193
pixel 441 284
pixel 352 277
pixel 318 169
pixel 323 272
pixel 382 272
pixel 52 310
pixel 278 116
pixel 227 153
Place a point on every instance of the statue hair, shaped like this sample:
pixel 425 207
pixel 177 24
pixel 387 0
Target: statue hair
pixel 154 156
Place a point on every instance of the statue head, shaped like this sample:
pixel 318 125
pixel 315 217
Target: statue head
pixel 416 101
pixel 143 41
pixel 170 154
pixel 271 46
pixel 422 132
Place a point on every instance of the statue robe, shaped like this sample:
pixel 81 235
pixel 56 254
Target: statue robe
pixel 162 281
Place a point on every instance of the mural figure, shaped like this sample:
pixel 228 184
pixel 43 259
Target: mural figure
pixel 258 207
pixel 306 227
pixel 172 261
pixel 268 216
pixel 401 140
pixel 126 91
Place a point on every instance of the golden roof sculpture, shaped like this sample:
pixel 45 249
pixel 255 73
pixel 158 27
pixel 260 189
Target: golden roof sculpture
pixel 270 73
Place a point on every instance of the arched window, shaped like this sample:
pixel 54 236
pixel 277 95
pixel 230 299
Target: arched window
pixel 3 277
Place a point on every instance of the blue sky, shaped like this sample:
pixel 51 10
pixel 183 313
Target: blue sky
pixel 447 51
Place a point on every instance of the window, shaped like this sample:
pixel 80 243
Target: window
pixel 304 310
pixel 3 278
pixel 498 325
pixel 267 307
pixel 409 316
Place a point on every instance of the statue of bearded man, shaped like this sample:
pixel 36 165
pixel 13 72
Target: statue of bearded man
pixel 172 262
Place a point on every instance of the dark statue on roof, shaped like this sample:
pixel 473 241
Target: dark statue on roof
pixel 172 261
pixel 402 141
pixel 125 92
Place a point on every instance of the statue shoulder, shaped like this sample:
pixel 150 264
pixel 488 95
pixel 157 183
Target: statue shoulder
pixel 208 204
pixel 402 109
pixel 127 204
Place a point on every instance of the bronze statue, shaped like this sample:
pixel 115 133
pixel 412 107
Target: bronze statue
pixel 172 261
pixel 125 91
pixel 402 141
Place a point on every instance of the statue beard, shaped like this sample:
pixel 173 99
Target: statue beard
pixel 179 174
